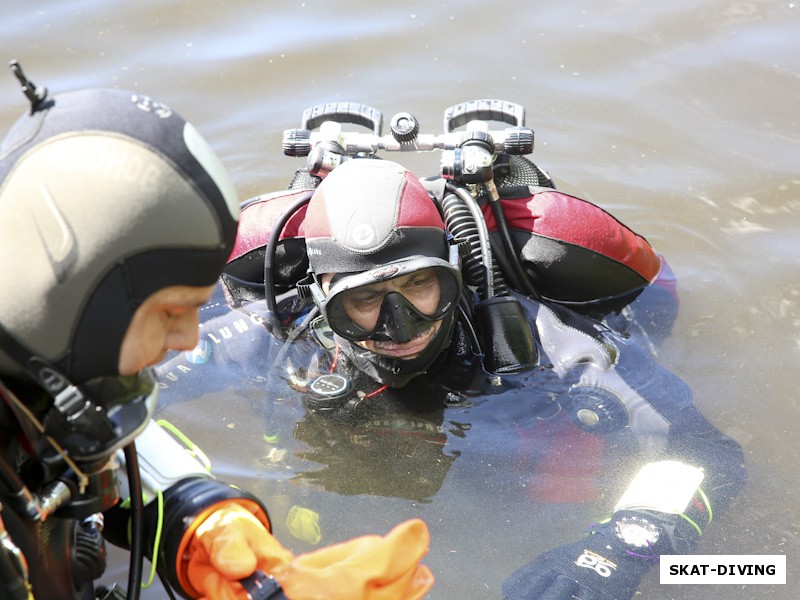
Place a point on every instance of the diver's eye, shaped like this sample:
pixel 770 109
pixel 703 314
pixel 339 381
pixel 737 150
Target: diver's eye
pixel 420 282
pixel 363 299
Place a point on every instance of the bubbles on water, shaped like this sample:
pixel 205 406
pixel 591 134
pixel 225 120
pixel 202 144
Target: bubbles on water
pixel 744 226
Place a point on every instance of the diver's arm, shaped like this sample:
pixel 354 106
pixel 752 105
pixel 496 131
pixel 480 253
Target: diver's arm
pixel 689 437
pixel 704 467
pixel 612 383
pixel 665 509
pixel 234 349
pixel 692 471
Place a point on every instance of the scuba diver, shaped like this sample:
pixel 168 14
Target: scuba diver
pixel 116 219
pixel 393 309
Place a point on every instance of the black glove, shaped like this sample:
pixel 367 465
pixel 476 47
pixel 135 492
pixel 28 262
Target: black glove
pixel 596 568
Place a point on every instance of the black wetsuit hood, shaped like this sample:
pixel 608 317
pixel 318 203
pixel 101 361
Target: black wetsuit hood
pixel 106 196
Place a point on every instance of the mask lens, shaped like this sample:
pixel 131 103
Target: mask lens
pixel 355 312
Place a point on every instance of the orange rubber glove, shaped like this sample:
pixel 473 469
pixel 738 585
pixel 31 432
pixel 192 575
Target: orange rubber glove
pixel 231 543
pixel 228 545
pixel 370 567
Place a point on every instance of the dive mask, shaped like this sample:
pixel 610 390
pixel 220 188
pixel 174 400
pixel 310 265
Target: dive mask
pixel 392 302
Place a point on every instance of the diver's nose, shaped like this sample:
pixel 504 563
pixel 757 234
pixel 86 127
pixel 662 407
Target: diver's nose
pixel 398 322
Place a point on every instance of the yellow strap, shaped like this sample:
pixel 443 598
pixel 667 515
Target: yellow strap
pixel 194 449
pixel 156 542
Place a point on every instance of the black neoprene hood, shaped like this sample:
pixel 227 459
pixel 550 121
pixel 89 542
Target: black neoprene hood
pixel 106 196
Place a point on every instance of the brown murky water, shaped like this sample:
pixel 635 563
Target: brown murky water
pixel 683 119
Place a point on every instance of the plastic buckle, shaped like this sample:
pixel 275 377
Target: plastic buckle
pixel 260 586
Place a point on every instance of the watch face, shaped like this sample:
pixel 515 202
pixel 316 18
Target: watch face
pixel 329 386
pixel 636 532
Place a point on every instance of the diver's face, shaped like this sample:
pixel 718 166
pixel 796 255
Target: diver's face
pixel 363 306
pixel 166 320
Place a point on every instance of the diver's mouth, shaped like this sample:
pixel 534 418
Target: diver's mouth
pixel 409 349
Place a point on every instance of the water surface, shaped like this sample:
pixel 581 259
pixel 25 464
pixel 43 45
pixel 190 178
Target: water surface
pixel 680 118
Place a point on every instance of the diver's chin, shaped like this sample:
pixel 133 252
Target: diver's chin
pixel 405 351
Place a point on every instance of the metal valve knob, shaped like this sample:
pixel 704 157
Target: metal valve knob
pixel 519 140
pixel 404 127
pixel 296 142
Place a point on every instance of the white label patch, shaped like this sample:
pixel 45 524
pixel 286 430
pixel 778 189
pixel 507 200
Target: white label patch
pixel 363 234
pixel 599 564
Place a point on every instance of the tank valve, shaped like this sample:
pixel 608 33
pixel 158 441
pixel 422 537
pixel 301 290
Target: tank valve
pixel 404 127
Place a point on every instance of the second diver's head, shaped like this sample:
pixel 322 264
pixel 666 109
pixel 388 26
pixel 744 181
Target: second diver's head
pixel 116 218
pixel 386 278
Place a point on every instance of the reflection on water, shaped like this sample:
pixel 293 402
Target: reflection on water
pixel 679 118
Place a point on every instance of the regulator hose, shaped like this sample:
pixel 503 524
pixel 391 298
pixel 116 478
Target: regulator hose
pixel 269 260
pixel 293 335
pixel 464 220
pixel 524 283
pixel 137 522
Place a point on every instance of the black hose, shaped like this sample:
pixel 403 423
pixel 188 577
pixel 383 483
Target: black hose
pixel 469 328
pixel 166 586
pixel 502 264
pixel 269 259
pixel 137 522
pixel 11 486
pixel 10 481
pixel 8 476
pixel 511 253
pixel 465 221
pixel 483 236
pixel 462 227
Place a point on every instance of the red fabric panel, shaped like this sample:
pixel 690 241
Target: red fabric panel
pixel 416 208
pixel 563 217
pixel 257 219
